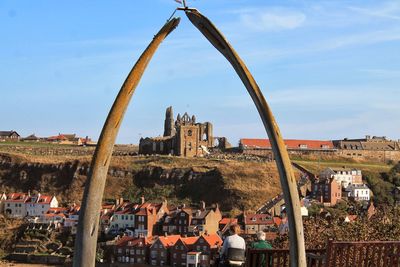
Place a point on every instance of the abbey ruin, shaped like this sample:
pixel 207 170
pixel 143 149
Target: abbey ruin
pixel 182 137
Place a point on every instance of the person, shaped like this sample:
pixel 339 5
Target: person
pixel 232 241
pixel 261 243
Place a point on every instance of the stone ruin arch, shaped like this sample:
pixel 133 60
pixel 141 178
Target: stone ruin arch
pixel 86 239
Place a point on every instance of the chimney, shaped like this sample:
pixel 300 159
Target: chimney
pixel 142 199
pixel 367 137
pixel 183 205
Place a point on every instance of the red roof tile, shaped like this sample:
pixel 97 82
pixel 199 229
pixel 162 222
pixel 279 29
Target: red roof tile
pixel 259 219
pixel 213 240
pixel 188 241
pixel 170 240
pixel 290 144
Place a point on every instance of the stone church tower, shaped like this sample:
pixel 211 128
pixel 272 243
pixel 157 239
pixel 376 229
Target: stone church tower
pixel 182 137
pixel 169 124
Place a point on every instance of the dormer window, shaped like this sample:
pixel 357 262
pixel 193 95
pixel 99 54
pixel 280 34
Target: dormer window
pixel 303 146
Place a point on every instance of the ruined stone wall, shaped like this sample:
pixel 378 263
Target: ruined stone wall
pixel 370 155
pixel 60 150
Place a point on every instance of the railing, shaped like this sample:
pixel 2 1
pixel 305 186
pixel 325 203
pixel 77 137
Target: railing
pixel 337 254
pixel 368 253
pixel 277 257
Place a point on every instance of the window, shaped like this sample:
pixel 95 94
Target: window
pixel 174 255
pixel 204 248
pixel 190 133
pixel 182 214
pixel 183 256
pixel 162 254
pixel 131 217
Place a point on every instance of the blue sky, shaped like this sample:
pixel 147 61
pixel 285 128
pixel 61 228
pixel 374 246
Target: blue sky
pixel 329 69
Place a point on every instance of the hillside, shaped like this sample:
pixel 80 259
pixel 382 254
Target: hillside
pixel 233 184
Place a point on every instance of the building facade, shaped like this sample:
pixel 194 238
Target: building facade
pixel 327 191
pixel 9 136
pixel 343 175
pixel 182 137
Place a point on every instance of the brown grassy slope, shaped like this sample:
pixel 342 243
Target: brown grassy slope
pixel 245 184
pixel 8 228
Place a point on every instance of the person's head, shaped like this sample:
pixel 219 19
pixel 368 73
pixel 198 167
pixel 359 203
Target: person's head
pixel 261 235
pixel 234 229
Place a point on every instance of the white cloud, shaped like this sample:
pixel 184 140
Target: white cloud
pixel 389 10
pixel 271 20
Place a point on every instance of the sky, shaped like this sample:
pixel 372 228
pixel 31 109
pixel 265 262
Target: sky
pixel 328 69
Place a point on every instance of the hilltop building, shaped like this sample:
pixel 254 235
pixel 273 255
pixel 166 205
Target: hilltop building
pixel 263 147
pixel 9 136
pixel 369 148
pixel 182 137
pixel 374 148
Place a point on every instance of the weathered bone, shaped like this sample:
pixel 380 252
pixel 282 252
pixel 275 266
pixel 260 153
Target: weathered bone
pixel 86 238
pixel 287 178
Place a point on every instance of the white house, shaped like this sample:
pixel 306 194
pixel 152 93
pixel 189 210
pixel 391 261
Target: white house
pixel 14 205
pixel 358 192
pixel 72 218
pixel 123 217
pixel 343 176
pixel 39 204
pixel 122 220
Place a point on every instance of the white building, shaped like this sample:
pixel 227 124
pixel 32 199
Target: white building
pixel 72 218
pixel 123 217
pixel 14 205
pixel 39 204
pixel 122 220
pixel 358 192
pixel 343 176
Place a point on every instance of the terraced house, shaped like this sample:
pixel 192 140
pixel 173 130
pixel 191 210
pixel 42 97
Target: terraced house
pixel 132 249
pixel 20 205
pixel 180 250
pixel 161 249
pixel 208 247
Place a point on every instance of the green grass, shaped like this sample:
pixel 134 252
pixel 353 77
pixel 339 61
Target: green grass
pixel 36 144
pixel 317 166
